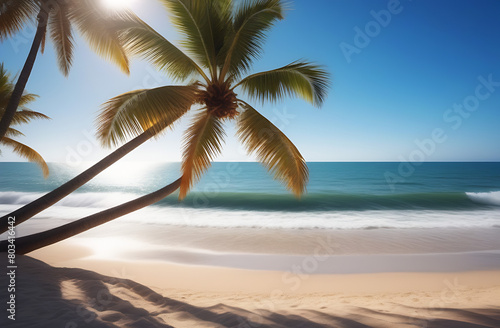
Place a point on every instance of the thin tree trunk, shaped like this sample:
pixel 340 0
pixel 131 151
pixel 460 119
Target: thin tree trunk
pixel 36 241
pixel 18 91
pixel 29 210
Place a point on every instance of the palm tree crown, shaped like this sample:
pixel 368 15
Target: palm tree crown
pixel 220 42
pixel 22 116
pixel 58 19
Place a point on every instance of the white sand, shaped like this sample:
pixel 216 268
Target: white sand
pixel 62 292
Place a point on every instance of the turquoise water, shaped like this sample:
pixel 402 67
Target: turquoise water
pixel 340 195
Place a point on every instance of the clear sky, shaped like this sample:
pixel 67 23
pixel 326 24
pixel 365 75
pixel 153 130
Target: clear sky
pixel 416 79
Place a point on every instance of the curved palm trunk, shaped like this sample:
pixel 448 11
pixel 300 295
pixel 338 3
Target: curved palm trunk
pixel 33 242
pixel 18 91
pixel 27 211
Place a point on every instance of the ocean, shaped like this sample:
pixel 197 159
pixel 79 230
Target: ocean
pixel 238 216
pixel 339 195
pixel 232 195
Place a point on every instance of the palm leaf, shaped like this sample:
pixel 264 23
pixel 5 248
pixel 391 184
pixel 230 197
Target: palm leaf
pixel 132 113
pixel 6 88
pixel 140 39
pixel 204 24
pixel 26 115
pixel 202 142
pixel 221 27
pixel 26 152
pixel 98 27
pixel 14 14
pixel 12 133
pixel 27 98
pixel 251 22
pixel 302 79
pixel 43 42
pixel 61 35
pixel 23 114
pixel 4 78
pixel 273 149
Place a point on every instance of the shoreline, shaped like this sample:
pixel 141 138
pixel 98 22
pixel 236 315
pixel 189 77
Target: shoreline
pixel 317 263
pixel 122 236
pixel 350 273
pixel 140 275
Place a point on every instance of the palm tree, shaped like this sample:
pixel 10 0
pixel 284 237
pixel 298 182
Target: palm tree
pixel 58 17
pixel 22 116
pixel 33 242
pixel 175 100
pixel 222 42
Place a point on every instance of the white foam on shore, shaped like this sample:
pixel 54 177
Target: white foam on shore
pixel 79 205
pixel 488 198
pixel 221 218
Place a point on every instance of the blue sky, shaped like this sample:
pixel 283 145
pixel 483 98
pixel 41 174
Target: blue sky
pixel 410 82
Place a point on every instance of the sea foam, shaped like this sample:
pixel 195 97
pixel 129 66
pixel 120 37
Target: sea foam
pixel 488 198
pixel 313 212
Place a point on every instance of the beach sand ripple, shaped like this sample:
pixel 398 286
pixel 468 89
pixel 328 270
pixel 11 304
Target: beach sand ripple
pixel 71 297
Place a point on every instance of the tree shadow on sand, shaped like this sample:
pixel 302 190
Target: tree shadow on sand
pixel 72 298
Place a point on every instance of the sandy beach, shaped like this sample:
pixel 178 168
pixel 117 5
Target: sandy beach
pixel 69 285
pixel 249 164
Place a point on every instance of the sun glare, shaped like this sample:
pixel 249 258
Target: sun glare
pixel 131 174
pixel 117 4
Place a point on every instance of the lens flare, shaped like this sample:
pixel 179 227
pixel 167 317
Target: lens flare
pixel 117 4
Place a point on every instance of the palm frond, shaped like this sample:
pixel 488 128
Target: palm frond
pixel 27 98
pixel 273 149
pixel 27 153
pixel 23 114
pixel 132 113
pixel 62 37
pixel 98 27
pixel 26 115
pixel 6 88
pixel 43 42
pixel 222 28
pixel 142 40
pixel 202 142
pixel 4 77
pixel 305 80
pixel 203 26
pixel 251 22
pixel 12 133
pixel 14 14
